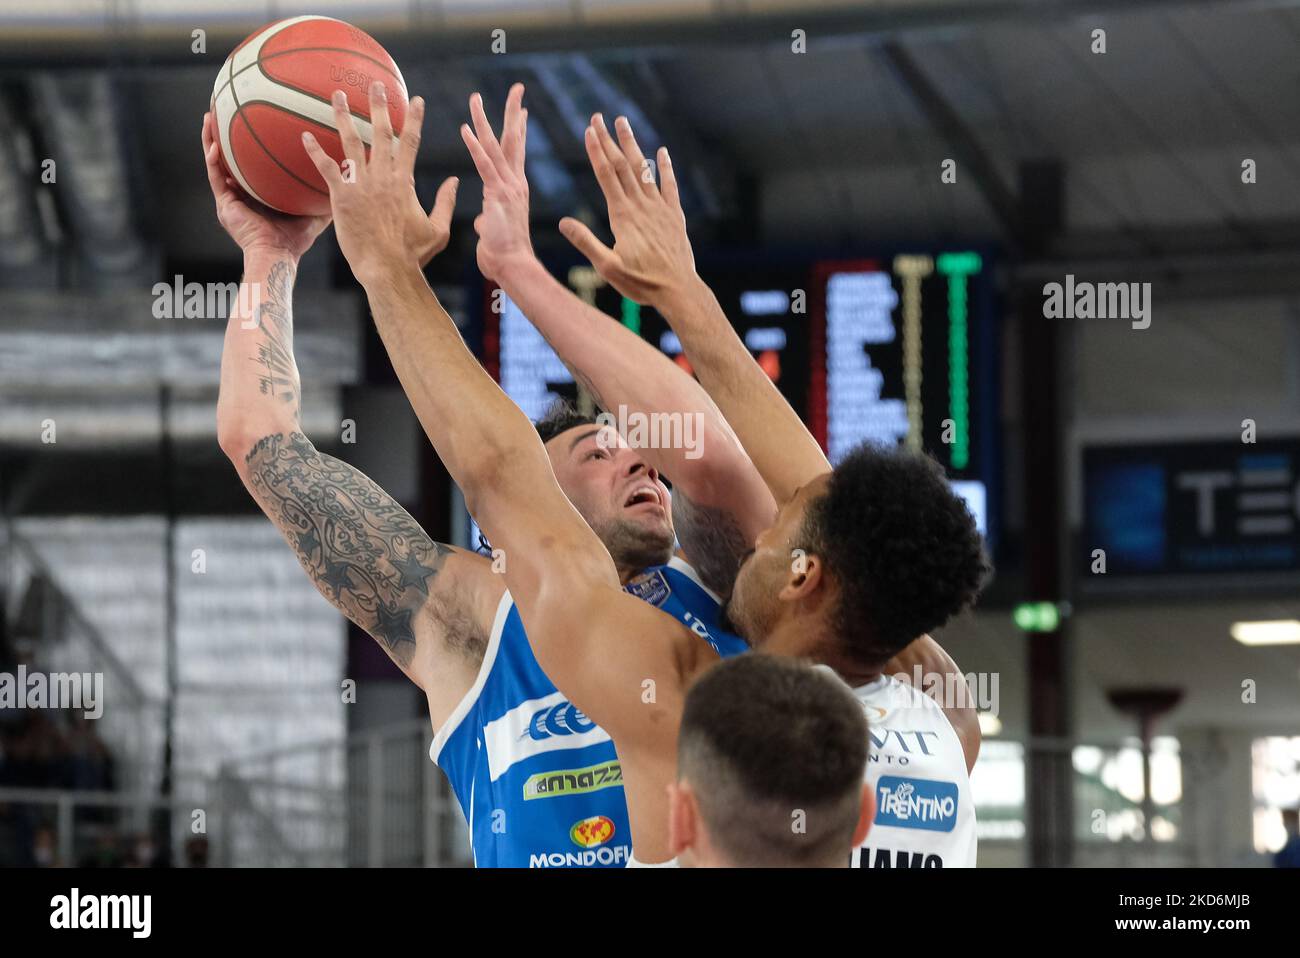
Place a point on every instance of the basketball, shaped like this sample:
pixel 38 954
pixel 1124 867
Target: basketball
pixel 276 85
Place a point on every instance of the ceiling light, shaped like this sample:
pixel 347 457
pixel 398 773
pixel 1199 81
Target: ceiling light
pixel 1275 632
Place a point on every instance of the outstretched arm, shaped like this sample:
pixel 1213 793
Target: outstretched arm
pixel 425 603
pixel 720 502
pixel 597 643
pixel 651 262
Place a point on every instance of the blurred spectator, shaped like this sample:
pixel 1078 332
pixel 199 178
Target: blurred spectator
pixel 144 853
pixel 8 661
pixel 106 853
pixel 89 764
pixel 1289 856
pixel 196 852
pixel 45 853
pixel 36 753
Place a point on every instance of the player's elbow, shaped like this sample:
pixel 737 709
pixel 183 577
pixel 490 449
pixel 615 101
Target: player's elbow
pixel 234 437
pixel 237 435
pixel 484 478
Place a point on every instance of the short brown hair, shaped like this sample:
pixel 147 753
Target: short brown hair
pixel 776 753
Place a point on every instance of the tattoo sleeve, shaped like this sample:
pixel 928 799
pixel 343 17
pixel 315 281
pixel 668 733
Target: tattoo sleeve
pixel 363 551
pixel 712 539
pixel 279 376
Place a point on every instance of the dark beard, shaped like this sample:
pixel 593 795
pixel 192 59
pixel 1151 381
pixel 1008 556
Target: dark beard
pixel 729 624
pixel 634 547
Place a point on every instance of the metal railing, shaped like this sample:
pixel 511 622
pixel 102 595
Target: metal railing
pixel 69 643
pixel 374 799
pixel 371 800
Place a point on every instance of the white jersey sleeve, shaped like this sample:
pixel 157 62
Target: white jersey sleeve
pixel 925 814
pixel 633 863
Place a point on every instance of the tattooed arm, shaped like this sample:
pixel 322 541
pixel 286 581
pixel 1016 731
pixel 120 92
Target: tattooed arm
pixel 428 605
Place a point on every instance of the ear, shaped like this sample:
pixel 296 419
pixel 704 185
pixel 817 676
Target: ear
pixel 683 817
pixel 865 816
pixel 807 573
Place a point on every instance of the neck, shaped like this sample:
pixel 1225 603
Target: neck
pixel 629 570
pixel 799 638
pixel 854 675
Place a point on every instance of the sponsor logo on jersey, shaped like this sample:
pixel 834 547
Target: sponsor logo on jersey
pixel 604 855
pixel 563 718
pixel 593 831
pixel 538 726
pixel 650 587
pixel 573 781
pixel 893 858
pixel 899 747
pixel 916 803
pixel 699 628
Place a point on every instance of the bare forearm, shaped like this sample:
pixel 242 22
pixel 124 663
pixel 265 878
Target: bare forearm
pixel 720 502
pixel 620 369
pixel 786 454
pixel 260 391
pixel 927 666
pixel 473 425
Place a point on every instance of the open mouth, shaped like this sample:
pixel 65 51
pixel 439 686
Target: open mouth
pixel 643 495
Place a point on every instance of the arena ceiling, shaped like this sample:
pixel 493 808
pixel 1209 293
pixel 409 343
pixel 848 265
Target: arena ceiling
pixel 841 144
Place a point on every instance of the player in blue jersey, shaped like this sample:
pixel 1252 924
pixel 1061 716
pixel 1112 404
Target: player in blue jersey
pixel 883 549
pixel 538 782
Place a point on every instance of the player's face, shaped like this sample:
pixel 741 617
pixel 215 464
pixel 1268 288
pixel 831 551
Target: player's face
pixel 756 603
pixel 617 492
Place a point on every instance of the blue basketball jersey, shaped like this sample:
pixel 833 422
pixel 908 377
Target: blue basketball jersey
pixel 539 782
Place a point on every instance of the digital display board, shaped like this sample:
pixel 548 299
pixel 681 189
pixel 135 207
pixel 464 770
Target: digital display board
pixel 901 358
pixel 890 349
pixel 533 376
pixel 1210 507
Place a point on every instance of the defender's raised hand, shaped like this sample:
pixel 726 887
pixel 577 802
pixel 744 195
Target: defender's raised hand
pixel 377 216
pixel 502 227
pixel 651 259
pixel 250 224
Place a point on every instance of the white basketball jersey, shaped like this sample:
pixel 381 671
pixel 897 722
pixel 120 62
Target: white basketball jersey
pixel 925 816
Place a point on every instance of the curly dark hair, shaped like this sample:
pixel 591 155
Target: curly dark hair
pixel 561 416
pixel 901 545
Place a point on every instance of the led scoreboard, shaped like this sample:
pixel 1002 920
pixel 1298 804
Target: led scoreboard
pixel 897 349
pixel 905 352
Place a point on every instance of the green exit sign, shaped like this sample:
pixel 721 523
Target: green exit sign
pixel 1037 616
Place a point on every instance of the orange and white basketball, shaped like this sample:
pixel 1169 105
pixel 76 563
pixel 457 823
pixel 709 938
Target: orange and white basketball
pixel 277 84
